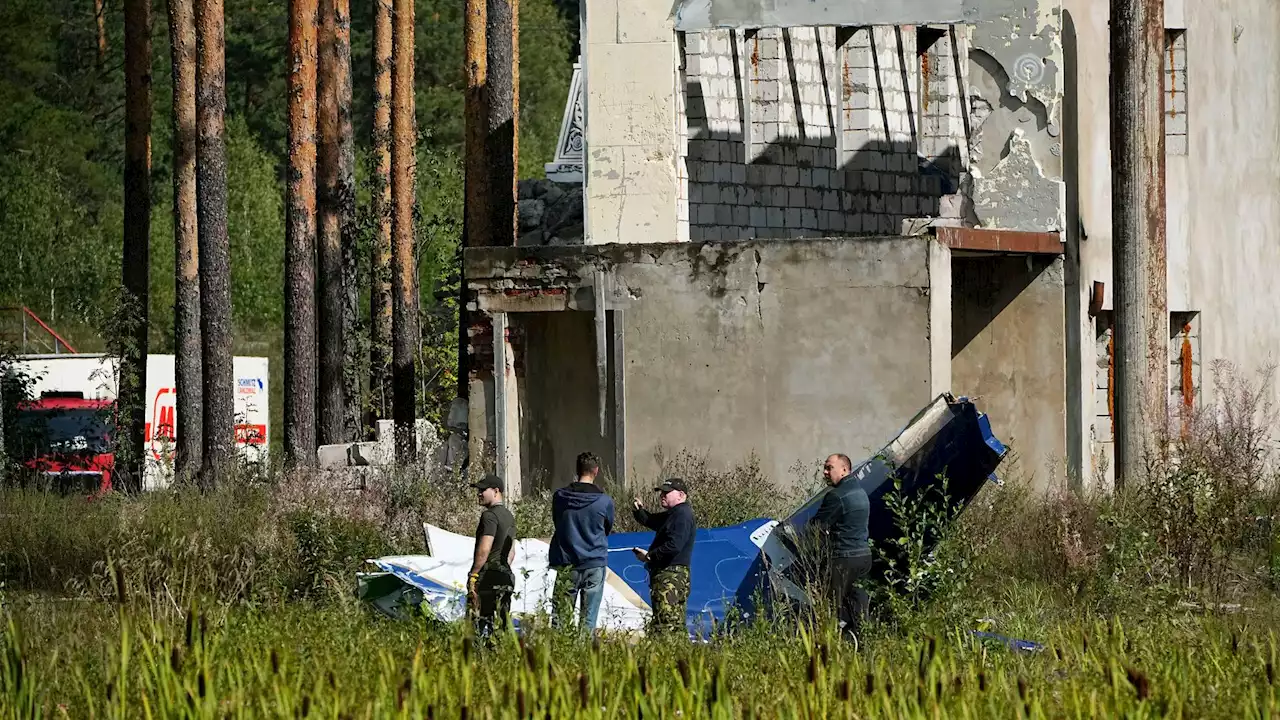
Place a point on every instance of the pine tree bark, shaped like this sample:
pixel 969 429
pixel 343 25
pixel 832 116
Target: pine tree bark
pixel 403 271
pixel 214 248
pixel 380 286
pixel 186 307
pixel 336 209
pixel 477 231
pixel 132 326
pixel 300 240
pixel 503 90
pixel 477 227
pixel 1138 235
pixel 100 17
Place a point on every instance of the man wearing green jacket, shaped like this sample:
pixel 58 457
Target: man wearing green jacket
pixel 842 518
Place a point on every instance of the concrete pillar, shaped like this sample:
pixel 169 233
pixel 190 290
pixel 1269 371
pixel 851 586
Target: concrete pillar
pixel 631 67
pixel 506 404
pixel 939 318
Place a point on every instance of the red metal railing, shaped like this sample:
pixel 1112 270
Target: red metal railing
pixel 59 342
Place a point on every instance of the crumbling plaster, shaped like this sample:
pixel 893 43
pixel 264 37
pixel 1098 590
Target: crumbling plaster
pixel 1015 105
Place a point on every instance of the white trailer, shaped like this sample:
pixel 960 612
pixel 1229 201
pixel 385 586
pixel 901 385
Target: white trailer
pixel 95 376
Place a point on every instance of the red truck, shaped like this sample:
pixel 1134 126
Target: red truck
pixel 66 438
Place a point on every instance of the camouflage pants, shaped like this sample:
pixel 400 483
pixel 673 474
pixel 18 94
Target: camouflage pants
pixel 669 593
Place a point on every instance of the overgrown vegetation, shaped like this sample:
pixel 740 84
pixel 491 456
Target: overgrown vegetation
pixel 62 128
pixel 1158 601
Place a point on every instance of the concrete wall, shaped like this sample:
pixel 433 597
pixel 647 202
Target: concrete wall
pixel 1223 195
pixel 1008 352
pixel 788 349
pixel 632 145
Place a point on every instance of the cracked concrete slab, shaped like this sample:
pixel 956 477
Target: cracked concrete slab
pixel 694 15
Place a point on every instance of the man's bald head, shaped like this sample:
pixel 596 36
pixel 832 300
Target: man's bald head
pixel 836 467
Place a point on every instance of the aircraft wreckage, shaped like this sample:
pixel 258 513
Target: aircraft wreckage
pixel 739 569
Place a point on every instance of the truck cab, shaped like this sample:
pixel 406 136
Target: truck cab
pixel 66 439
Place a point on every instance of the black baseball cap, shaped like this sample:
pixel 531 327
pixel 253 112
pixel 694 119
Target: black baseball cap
pixel 672 484
pixel 488 482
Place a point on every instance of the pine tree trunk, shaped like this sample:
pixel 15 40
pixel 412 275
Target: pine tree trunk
pixel 132 326
pixel 215 250
pixel 100 17
pixel 351 344
pixel 300 241
pixel 380 286
pixel 477 223
pixel 503 79
pixel 186 307
pixel 476 188
pixel 339 303
pixel 404 276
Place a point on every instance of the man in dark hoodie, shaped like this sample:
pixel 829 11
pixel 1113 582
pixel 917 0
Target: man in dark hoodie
pixel 668 556
pixel 583 518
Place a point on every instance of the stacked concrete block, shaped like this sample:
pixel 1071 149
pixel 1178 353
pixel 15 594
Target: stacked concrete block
pixel 805 132
pixel 943 142
pixel 880 130
pixel 880 133
pixel 715 71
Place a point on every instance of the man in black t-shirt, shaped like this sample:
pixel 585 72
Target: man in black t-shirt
pixel 491 580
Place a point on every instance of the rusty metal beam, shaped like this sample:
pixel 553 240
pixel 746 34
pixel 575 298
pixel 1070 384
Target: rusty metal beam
pixel 1001 241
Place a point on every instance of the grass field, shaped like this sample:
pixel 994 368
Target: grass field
pixel 96 660
pixel 1160 601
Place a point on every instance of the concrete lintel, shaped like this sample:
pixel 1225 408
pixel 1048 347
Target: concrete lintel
pixel 695 15
pixel 1011 242
pixel 524 300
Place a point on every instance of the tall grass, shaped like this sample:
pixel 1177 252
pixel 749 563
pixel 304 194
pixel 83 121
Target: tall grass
pixel 296 662
pixel 1157 601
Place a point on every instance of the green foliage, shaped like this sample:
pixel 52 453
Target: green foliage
pixel 914 572
pixel 328 548
pixel 61 123
pixel 720 496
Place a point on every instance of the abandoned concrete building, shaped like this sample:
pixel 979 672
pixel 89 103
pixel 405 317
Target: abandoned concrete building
pixel 781 227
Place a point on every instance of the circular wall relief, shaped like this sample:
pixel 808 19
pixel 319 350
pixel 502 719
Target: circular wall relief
pixel 1029 69
pixel 1056 149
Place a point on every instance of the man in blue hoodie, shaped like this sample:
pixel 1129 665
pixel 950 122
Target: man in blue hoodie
pixel 583 518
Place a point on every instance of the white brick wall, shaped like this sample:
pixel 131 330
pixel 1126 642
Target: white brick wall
pixel 1175 92
pixel 810 132
pixel 943 141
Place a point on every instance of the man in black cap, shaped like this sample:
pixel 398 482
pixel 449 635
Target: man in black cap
pixel 668 556
pixel 491 580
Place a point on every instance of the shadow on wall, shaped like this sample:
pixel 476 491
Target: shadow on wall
pixel 803 168
pixel 982 287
